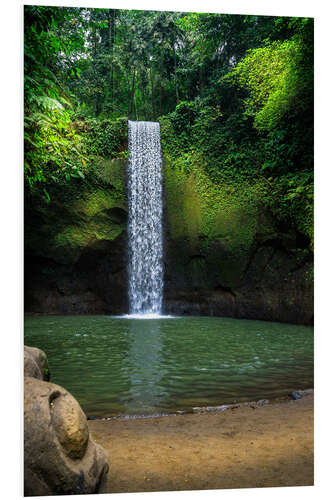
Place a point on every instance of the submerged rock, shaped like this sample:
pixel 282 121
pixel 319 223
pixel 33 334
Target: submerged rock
pixel 35 363
pixel 262 402
pixel 295 395
pixel 59 456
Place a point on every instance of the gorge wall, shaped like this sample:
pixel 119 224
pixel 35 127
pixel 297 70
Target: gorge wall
pixel 225 254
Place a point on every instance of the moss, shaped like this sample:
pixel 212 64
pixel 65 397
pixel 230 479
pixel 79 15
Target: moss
pixel 174 181
pixel 82 233
pixel 71 237
pixel 198 208
pixel 217 220
pixel 98 201
pixel 112 171
pixel 78 214
pixel 304 216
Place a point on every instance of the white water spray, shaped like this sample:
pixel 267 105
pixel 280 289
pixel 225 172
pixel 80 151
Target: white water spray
pixel 145 234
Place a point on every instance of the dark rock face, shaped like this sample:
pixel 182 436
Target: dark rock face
pixel 94 284
pixel 59 456
pixel 274 286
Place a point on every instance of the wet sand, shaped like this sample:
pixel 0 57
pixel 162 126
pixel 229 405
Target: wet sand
pixel 244 447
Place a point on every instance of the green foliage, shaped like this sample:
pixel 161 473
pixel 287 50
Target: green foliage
pixel 270 74
pixel 53 149
pixel 105 138
pixel 290 198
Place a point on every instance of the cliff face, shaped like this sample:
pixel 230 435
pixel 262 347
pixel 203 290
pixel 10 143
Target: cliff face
pixel 223 255
pixel 272 284
pixel 226 257
pixel 75 246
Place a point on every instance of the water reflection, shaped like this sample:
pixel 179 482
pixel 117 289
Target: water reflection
pixel 145 366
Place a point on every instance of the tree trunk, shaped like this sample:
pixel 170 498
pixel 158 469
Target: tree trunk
pixel 200 79
pixel 111 40
pixel 143 98
pixel 131 101
pixel 152 91
pixel 161 99
pixel 97 99
pixel 175 70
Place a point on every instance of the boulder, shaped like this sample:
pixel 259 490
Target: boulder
pixel 35 363
pixel 59 456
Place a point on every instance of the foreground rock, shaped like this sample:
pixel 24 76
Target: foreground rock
pixel 59 456
pixel 35 363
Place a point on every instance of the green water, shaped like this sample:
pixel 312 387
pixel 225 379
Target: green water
pixel 117 366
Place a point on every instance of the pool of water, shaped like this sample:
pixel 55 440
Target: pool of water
pixel 127 366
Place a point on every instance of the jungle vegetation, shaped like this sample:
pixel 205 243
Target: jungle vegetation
pixel 233 94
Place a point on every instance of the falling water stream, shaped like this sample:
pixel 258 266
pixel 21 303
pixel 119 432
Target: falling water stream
pixel 145 236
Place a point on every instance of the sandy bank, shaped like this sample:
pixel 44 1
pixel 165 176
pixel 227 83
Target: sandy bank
pixel 245 447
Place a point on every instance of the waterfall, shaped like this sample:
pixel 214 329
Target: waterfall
pixel 145 236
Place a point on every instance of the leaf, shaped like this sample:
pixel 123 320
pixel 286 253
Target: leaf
pixel 46 195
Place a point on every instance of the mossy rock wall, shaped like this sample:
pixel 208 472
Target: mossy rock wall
pixel 75 259
pixel 224 254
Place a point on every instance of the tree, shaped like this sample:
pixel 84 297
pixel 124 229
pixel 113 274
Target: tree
pixel 52 146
